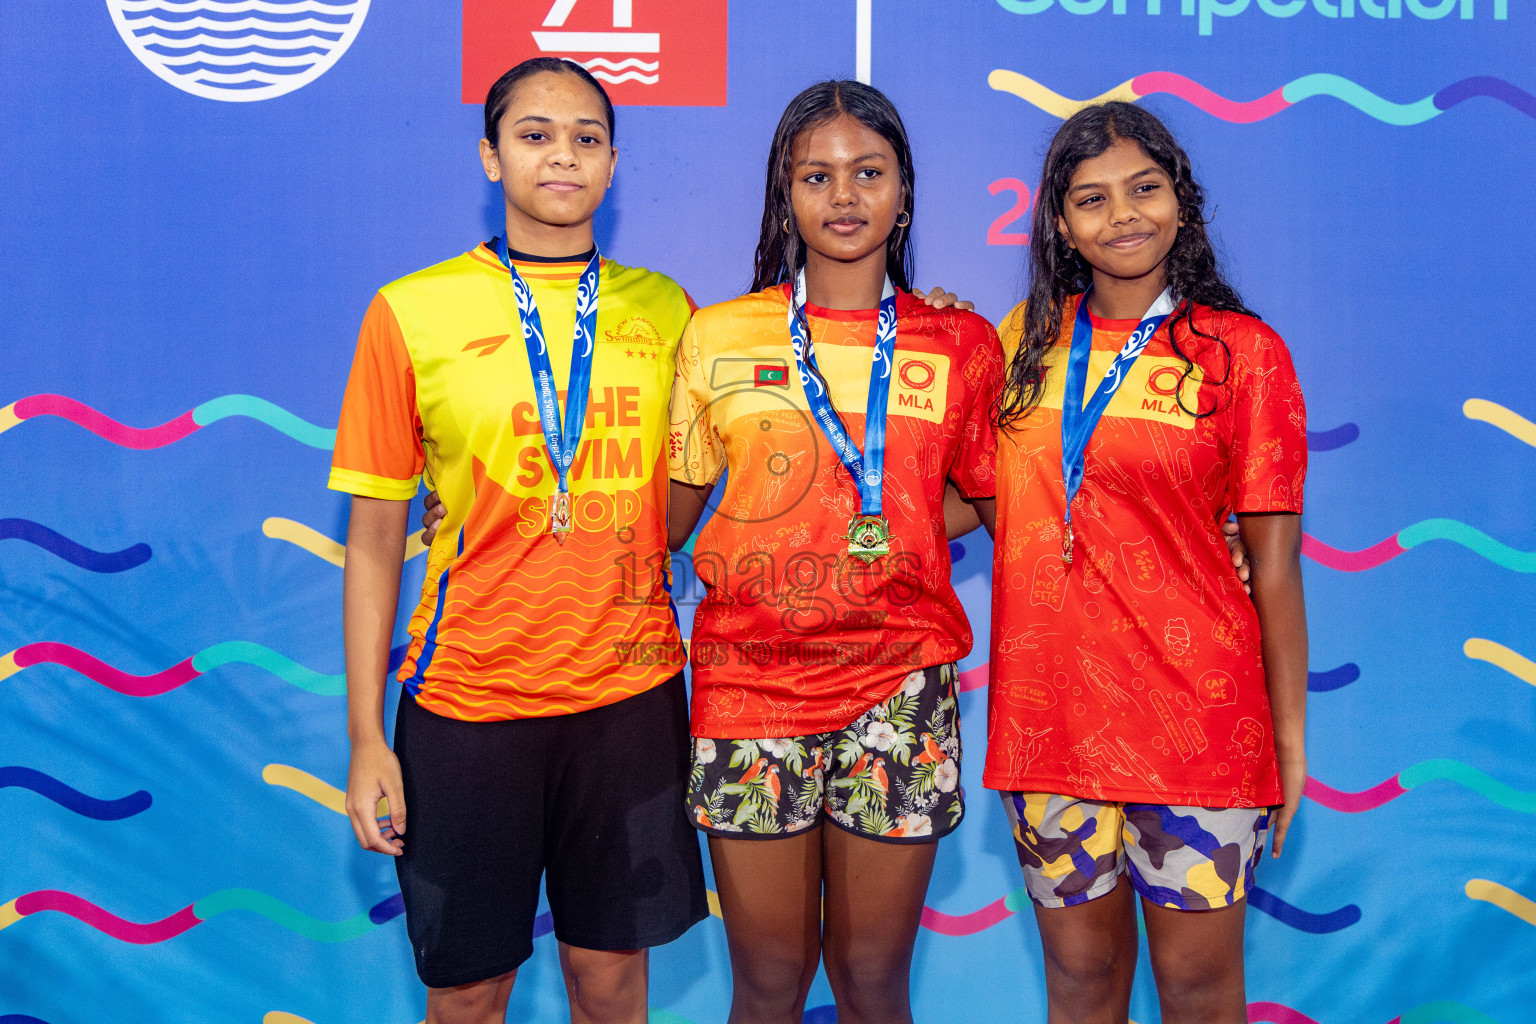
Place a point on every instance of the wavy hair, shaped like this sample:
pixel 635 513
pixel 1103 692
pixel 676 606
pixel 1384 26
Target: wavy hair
pixel 1057 272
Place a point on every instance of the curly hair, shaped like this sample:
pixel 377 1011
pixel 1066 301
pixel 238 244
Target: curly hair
pixel 1057 272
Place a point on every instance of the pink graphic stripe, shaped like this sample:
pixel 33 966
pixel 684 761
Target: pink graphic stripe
pixel 966 924
pixel 1354 803
pixel 105 426
pixel 1210 102
pixel 1351 561
pixel 110 924
pixel 101 672
pixel 1276 1013
pixel 972 679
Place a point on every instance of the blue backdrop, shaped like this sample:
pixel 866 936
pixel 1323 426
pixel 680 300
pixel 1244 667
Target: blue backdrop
pixel 181 280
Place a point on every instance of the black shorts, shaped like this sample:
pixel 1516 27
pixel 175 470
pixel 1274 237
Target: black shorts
pixel 593 801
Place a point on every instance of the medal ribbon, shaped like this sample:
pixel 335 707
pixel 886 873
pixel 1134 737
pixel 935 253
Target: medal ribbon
pixel 562 443
pixel 867 467
pixel 1078 421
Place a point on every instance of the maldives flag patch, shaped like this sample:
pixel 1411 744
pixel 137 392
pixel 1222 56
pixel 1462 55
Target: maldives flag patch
pixel 770 375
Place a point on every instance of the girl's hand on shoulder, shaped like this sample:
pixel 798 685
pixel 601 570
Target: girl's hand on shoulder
pixel 432 517
pixel 374 774
pixel 938 298
pixel 1293 779
pixel 1235 546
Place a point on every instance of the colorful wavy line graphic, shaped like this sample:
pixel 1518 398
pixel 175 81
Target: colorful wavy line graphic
pixel 22 1018
pixel 141 438
pixel 1503 897
pixel 210 906
pixel 1317 682
pixel 323 547
pixel 72 799
pixel 1516 664
pixel 1302 920
pixel 1328 440
pixel 60 546
pixel 1472 539
pixel 318 790
pixel 1443 1012
pixel 229 653
pixel 1247 112
pixel 1512 423
pixel 1437 770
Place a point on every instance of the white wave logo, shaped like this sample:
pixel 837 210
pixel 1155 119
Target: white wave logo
pixel 238 50
pixel 608 71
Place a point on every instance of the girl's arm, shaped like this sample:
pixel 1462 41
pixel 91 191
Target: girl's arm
pixel 961 515
pixel 1274 552
pixel 685 504
pixel 370 596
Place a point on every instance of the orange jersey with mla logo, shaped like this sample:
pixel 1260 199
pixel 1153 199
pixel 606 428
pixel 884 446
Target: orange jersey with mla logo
pixel 1135 672
pixel 512 623
pixel 794 635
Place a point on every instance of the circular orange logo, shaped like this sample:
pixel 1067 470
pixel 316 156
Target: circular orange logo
pixel 917 374
pixel 1164 380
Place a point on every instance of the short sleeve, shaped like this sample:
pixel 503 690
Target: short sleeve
pixel 974 471
pixel 696 453
pixel 1269 434
pixel 379 451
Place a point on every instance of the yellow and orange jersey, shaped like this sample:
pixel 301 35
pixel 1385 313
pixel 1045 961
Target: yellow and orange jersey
pixel 795 636
pixel 511 623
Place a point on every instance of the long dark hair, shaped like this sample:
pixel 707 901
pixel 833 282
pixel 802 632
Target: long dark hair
pixel 780 250
pixel 1057 272
pixel 500 95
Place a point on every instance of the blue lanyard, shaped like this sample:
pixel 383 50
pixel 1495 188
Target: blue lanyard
pixel 1077 421
pixel 562 444
pixel 868 467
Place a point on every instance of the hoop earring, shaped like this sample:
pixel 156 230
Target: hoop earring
pixel 786 225
pixel 903 219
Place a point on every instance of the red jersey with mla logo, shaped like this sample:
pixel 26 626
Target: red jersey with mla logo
pixel 794 635
pixel 1135 672
pixel 512 623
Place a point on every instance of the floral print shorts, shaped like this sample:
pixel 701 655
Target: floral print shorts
pixel 892 775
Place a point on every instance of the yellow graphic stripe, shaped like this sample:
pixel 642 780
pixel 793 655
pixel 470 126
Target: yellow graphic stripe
pixel 1502 897
pixel 714 902
pixel 1474 409
pixel 8 666
pixel 321 546
pixel 8 418
pixel 1510 661
pixel 305 784
pixel 1032 92
pixel 9 916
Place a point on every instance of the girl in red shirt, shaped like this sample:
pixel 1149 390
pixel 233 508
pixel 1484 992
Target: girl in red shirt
pixel 1146 718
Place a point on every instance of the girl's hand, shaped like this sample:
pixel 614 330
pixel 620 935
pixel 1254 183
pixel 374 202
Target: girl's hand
pixel 1235 546
pixel 938 298
pixel 433 516
pixel 374 774
pixel 1293 778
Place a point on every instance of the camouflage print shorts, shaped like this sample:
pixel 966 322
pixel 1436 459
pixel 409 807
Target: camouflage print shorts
pixel 892 775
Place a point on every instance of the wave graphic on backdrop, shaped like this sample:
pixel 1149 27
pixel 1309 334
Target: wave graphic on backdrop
pixel 1260 899
pixel 1317 682
pixel 1304 88
pixel 57 544
pixel 1440 1012
pixel 228 653
pixel 1507 420
pixel 72 799
pixel 142 438
pixel 1516 664
pixel 1437 770
pixel 1328 440
pixel 238 50
pixel 1472 539
pixel 318 544
pixel 224 900
pixel 1503 897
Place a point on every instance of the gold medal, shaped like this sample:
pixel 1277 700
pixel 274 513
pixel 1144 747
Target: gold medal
pixel 869 537
pixel 1066 541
